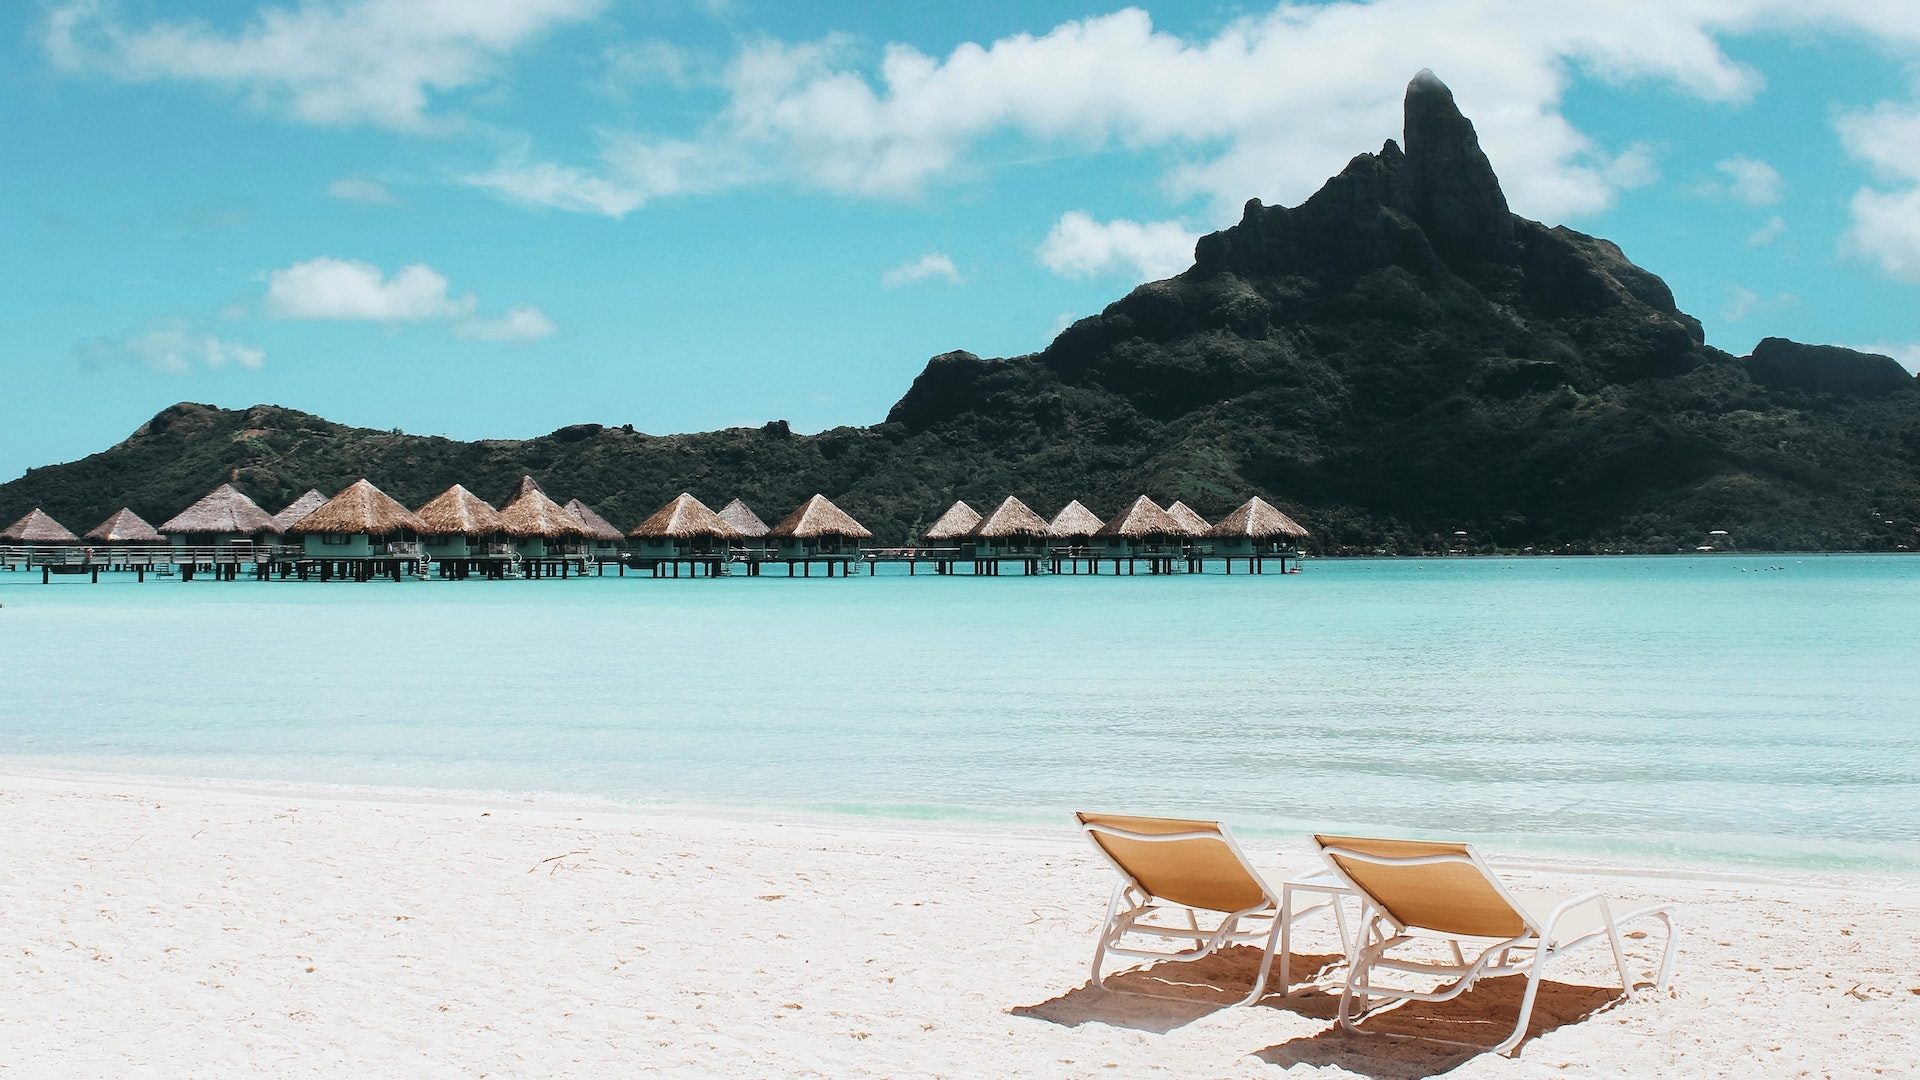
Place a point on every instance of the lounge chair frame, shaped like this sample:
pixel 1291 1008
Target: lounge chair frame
pixel 1262 924
pixel 1529 951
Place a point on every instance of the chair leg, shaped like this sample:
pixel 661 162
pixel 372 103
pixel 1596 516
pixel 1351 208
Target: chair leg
pixel 1526 1003
pixel 1266 963
pixel 1107 936
pixel 1619 950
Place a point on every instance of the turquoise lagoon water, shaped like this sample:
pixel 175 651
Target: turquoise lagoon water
pixel 1759 711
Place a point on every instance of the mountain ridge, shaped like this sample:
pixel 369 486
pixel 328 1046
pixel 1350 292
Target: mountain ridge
pixel 1395 360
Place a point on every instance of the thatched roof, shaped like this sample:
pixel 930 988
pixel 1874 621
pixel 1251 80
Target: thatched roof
pixel 531 513
pixel 299 508
pixel 953 524
pixel 38 528
pixel 458 512
pixel 685 518
pixel 741 517
pixel 222 512
pixel 597 527
pixel 1010 518
pixel 1257 520
pixel 1143 519
pixel 1190 523
pixel 818 517
pixel 528 486
pixel 1074 520
pixel 124 527
pixel 360 509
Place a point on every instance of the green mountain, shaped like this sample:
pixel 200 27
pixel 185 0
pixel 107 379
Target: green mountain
pixel 1397 360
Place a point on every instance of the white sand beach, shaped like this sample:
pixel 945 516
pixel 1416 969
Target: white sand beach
pixel 162 931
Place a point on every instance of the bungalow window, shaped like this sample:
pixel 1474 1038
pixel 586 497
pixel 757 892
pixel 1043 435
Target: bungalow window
pixel 337 539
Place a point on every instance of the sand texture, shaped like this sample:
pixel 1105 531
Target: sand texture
pixel 155 931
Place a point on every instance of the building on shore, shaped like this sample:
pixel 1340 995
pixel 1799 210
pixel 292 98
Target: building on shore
pixel 817 531
pixel 1011 531
pixel 752 543
pixel 462 533
pixel 602 540
pixel 361 533
pixel 299 508
pixel 682 531
pixel 1071 534
pixel 222 531
pixel 40 540
pixel 1256 532
pixel 547 539
pixel 1141 531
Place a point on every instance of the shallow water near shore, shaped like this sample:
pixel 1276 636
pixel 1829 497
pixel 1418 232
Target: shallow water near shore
pixel 1731 710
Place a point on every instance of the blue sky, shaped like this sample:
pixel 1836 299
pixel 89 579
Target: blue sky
pixel 484 218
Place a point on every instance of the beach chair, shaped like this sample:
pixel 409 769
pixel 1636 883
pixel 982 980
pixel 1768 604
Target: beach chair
pixel 1441 892
pixel 1174 868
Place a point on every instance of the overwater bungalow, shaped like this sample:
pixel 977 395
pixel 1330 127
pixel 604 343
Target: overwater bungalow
pixel 1141 531
pixel 221 531
pixel 1255 532
pixel 463 533
pixel 546 538
pixel 299 508
pixel 817 531
pixel 1195 529
pixel 1011 531
pixel 752 541
pixel 121 528
pixel 1071 533
pixel 683 531
pixel 360 533
pixel 602 539
pixel 947 536
pixel 126 542
pixel 38 540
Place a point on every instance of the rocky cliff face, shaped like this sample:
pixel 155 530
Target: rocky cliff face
pixel 1394 360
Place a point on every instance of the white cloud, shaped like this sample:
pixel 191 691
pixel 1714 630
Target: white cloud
pixel 1907 353
pixel 1268 105
pixel 1884 226
pixel 519 325
pixel 327 288
pixel 382 62
pixel 1769 231
pixel 1752 181
pixel 361 190
pixel 1078 246
pixel 1742 302
pixel 1885 231
pixel 351 290
pixel 171 346
pixel 932 266
pixel 654 62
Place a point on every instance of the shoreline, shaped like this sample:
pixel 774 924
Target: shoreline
pixel 186 930
pixel 605 813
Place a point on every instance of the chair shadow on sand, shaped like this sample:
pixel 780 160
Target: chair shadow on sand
pixel 1483 1015
pixel 1166 996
